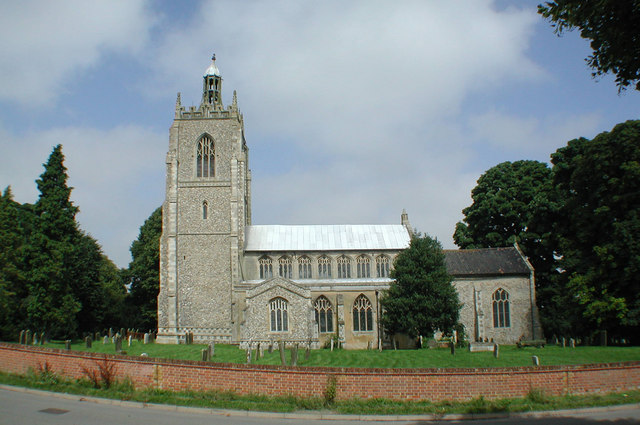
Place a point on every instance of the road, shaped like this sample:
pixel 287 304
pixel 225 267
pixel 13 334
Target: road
pixel 31 407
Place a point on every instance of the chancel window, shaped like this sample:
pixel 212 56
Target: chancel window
pixel 344 267
pixel 363 266
pixel 279 316
pixel 266 267
pixel 324 267
pixel 324 314
pixel 304 267
pixel 501 314
pixel 362 314
pixel 382 266
pixel 205 158
pixel 285 267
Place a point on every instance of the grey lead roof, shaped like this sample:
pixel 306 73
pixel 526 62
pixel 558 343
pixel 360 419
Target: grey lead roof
pixel 485 261
pixel 326 237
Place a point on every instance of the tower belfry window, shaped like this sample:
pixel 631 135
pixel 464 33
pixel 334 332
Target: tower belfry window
pixel 205 158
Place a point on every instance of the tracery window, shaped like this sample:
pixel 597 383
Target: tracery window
pixel 344 267
pixel 501 314
pixel 324 267
pixel 324 314
pixel 266 267
pixel 285 267
pixel 205 210
pixel 362 314
pixel 279 317
pixel 304 267
pixel 205 157
pixel 363 266
pixel 382 266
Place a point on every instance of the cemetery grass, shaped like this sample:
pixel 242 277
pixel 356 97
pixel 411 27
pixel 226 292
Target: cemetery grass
pixel 509 355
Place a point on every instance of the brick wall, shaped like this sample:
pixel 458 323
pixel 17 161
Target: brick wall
pixel 398 384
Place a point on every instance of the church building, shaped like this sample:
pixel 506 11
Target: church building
pixel 226 280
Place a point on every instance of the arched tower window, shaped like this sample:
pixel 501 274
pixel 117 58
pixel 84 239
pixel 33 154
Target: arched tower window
pixel 382 266
pixel 344 267
pixel 205 158
pixel 364 266
pixel 279 317
pixel 324 267
pixel 304 267
pixel 266 267
pixel 501 314
pixel 362 314
pixel 324 314
pixel 205 210
pixel 285 267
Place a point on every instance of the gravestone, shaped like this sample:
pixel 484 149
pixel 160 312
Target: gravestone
pixel 249 353
pixel 564 342
pixel 118 342
pixel 96 336
pixel 453 348
pixel 572 343
pixel 87 341
pixel 110 333
pixel 21 337
pixel 496 351
pixel 205 355
pixel 258 349
pixel 535 360
pixel 146 338
pixel 294 355
pixel 283 360
pixel 307 352
pixel 27 337
pixel 42 337
pixel 331 344
pixel 105 340
pixel 67 344
pixel 270 349
pixel 603 338
pixel 129 339
pixel 35 338
pixel 212 349
pixel 369 344
pixel 122 333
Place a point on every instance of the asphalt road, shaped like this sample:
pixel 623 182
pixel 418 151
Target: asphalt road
pixel 18 406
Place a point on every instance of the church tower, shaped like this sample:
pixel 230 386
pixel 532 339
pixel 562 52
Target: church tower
pixel 206 208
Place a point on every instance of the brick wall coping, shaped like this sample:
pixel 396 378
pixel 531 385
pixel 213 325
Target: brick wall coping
pixel 324 370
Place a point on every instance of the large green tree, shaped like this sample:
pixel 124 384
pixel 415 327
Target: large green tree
pixel 598 227
pixel 421 300
pixel 612 26
pixel 11 277
pixel 144 273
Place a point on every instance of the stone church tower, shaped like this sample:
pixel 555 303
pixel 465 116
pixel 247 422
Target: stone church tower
pixel 207 206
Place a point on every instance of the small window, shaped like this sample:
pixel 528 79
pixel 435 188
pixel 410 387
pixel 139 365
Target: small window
pixel 285 267
pixel 382 266
pixel 362 314
pixel 266 267
pixel 364 266
pixel 324 314
pixel 344 268
pixel 324 267
pixel 304 267
pixel 205 158
pixel 205 210
pixel 501 314
pixel 279 316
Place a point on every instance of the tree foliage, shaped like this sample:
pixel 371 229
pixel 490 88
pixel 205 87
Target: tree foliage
pixel 422 299
pixel 613 26
pixel 144 273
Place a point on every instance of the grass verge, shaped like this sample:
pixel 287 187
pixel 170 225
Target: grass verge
pixel 536 400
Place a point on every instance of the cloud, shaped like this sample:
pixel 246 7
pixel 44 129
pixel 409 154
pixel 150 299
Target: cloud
pixel 117 176
pixel 46 44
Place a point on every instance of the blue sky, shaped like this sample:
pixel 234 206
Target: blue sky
pixel 353 110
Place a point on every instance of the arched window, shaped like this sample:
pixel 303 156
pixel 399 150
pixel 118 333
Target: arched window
pixel 344 267
pixel 285 267
pixel 382 266
pixel 501 314
pixel 279 317
pixel 324 267
pixel 324 314
pixel 362 314
pixel 205 158
pixel 205 210
pixel 363 266
pixel 266 267
pixel 304 267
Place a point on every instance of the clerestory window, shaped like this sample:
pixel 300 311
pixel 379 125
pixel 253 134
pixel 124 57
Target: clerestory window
pixel 344 267
pixel 266 267
pixel 324 267
pixel 363 266
pixel 382 266
pixel 304 267
pixel 285 267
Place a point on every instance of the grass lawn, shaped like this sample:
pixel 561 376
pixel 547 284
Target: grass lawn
pixel 510 355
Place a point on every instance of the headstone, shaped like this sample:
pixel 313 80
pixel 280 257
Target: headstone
pixel 420 341
pixel 496 351
pixel 564 342
pixel 572 343
pixel 205 355
pixel 122 333
pixel 307 352
pixel 258 352
pixel 249 353
pixel 144 355
pixel 261 350
pixel 35 338
pixel 281 348
pixel 535 360
pixel 110 333
pixel 369 345
pixel 270 349
pixel 42 338
pixel 96 337
pixel 129 339
pixel 67 344
pixel 294 354
pixel 27 337
pixel 603 338
pixel 453 348
pixel 105 340
pixel 212 349
pixel 21 337
pixel 88 341
pixel 118 343
pixel 147 337
pixel 331 344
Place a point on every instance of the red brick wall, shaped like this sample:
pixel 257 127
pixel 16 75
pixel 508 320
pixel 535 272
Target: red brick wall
pixel 398 384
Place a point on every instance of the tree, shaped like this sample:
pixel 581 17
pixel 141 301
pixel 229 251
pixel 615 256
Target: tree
pixel 613 26
pixel 11 279
pixel 422 299
pixel 598 226
pixel 144 273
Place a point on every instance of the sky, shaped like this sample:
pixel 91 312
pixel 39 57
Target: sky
pixel 353 110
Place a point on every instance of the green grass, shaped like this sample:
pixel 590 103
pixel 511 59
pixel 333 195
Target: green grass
pixel 425 358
